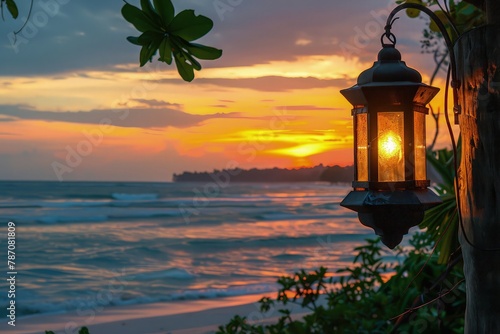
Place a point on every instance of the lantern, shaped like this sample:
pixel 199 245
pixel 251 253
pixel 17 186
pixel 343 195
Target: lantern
pixel 390 183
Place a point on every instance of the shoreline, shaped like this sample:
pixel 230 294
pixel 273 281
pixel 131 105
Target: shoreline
pixel 186 317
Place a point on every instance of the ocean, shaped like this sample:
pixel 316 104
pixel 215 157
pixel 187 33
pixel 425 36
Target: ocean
pixel 83 246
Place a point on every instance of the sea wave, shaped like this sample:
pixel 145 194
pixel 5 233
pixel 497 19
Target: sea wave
pixel 70 219
pixel 174 273
pixel 274 242
pixel 297 216
pixel 91 302
pixel 145 214
pixel 235 242
pixel 69 204
pixel 134 197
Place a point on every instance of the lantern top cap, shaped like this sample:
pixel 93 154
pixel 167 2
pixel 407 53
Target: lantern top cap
pixel 389 68
pixel 388 53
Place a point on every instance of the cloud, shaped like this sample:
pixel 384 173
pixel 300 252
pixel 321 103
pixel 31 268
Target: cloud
pixel 139 118
pixel 154 103
pixel 91 34
pixel 269 83
pixel 66 37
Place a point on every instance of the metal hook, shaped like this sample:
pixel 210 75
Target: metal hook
pixel 390 36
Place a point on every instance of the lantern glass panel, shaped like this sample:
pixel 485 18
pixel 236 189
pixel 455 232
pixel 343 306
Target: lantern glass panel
pixel 420 168
pixel 362 147
pixel 390 139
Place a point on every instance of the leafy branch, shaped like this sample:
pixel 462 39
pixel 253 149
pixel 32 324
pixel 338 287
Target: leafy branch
pixel 367 296
pixel 170 35
pixel 457 17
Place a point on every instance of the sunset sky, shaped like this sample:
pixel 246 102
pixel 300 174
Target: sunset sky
pixel 74 104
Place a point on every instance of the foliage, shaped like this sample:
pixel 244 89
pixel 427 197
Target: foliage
pixel 171 35
pixel 442 220
pixel 457 17
pixel 363 299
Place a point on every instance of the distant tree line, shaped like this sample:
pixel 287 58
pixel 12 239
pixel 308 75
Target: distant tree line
pixel 306 174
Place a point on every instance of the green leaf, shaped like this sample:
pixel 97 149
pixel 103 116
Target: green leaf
pixel 166 51
pixel 194 62
pixel 185 69
pixel 149 10
pixel 442 17
pixel 148 51
pixel 138 18
pixel 185 55
pixel 411 12
pixel 442 162
pixel 466 9
pixel 165 9
pixel 143 55
pixel 179 46
pixel 203 51
pixel 83 330
pixel 12 7
pixel 189 26
pixel 133 40
pixel 148 37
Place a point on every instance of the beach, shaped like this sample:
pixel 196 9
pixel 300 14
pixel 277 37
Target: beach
pixel 189 317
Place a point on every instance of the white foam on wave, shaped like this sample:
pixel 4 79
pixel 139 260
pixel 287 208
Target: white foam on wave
pixel 131 298
pixel 231 291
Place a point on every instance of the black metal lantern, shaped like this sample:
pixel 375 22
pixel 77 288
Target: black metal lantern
pixel 390 182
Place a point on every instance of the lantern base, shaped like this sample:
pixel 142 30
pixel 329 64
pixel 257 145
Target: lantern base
pixel 391 213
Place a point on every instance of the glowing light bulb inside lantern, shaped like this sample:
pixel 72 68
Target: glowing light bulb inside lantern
pixel 390 154
pixel 390 145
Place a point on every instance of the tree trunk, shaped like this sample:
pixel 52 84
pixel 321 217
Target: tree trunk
pixel 478 63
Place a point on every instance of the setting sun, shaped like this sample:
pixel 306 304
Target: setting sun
pixel 303 150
